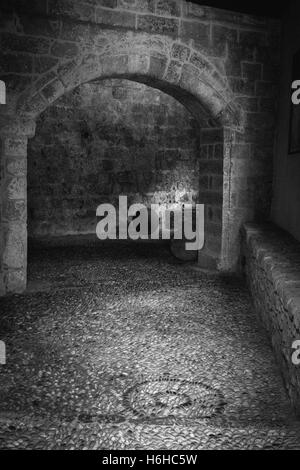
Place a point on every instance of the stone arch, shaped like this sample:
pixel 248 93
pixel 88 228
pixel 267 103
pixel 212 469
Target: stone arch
pixel 182 72
pixel 186 74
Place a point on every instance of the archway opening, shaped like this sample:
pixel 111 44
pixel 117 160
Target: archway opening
pixel 118 137
pixel 199 86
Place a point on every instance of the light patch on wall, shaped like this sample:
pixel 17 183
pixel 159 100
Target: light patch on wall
pixel 296 354
pixel 2 92
pixel 2 353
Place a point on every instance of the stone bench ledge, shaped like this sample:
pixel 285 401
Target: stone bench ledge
pixel 278 254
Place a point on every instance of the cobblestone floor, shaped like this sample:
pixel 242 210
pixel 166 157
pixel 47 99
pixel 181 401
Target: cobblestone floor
pixel 120 346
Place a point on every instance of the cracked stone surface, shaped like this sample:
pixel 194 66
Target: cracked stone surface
pixel 121 346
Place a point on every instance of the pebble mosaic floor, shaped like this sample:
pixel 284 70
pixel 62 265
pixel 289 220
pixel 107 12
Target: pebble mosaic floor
pixel 121 346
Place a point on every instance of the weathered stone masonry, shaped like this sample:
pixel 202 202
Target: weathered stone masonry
pixel 272 266
pixel 104 139
pixel 220 65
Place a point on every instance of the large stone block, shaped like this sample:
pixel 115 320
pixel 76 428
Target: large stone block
pixel 213 244
pixel 267 105
pixel 260 120
pixel 35 105
pixel 213 167
pixel 270 71
pixel 16 63
pixel 17 43
pixel 38 26
pixel 15 83
pixel 108 3
pixel 214 213
pixel 216 183
pixel 44 63
pixel 223 37
pixel 68 71
pixel 233 66
pixel 15 211
pixel 157 66
pixel 202 63
pixel 122 19
pixel 30 7
pixel 266 89
pixel 14 254
pixel 180 52
pixel 218 151
pixel 110 66
pixel 198 32
pixel 16 166
pixel 248 103
pixel 76 10
pixel 44 80
pixel 214 229
pixel 173 72
pixel 158 25
pixel 53 90
pixel 192 80
pixel 15 146
pixel 17 130
pixel 242 86
pixel 252 38
pixel 138 63
pixel 241 151
pixel 64 49
pixel 76 32
pixel 146 6
pixel 16 187
pixel 211 136
pixel 252 71
pixel 195 11
pixel 15 281
pixel 168 7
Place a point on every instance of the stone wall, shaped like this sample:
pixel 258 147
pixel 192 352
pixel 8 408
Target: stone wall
pixel 221 65
pixel 286 187
pixel 271 261
pixel 106 139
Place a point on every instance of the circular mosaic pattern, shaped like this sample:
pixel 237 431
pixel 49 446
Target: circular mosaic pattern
pixel 166 398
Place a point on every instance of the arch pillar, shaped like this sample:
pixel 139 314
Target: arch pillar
pixel 14 135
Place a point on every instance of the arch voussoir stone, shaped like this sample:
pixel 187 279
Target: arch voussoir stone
pixel 195 82
pixel 31 104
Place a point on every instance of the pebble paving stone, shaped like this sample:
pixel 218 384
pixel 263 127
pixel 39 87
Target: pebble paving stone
pixel 122 346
